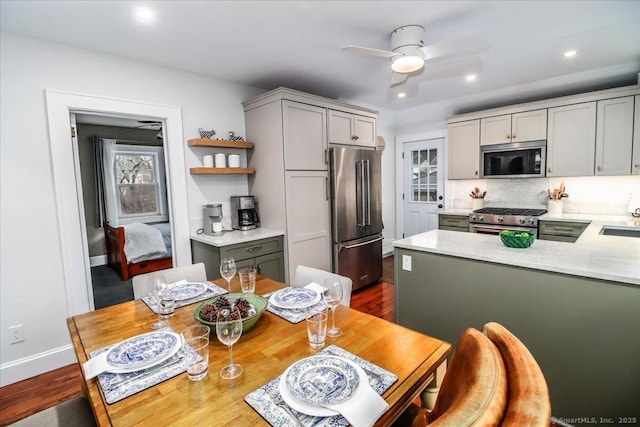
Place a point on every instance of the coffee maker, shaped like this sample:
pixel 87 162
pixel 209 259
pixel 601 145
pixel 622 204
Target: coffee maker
pixel 244 215
pixel 212 219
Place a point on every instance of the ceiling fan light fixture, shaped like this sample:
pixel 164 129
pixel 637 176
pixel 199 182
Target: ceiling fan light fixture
pixel 407 64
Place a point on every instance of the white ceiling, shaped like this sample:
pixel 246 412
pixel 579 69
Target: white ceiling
pixel 297 44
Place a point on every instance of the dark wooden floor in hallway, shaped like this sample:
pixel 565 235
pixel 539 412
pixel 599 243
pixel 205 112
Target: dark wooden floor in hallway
pixel 27 397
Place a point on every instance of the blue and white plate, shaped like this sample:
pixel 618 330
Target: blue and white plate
pixel 291 298
pixel 184 291
pixel 322 380
pixel 142 351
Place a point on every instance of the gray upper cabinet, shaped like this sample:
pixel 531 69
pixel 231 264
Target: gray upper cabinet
pixel 572 140
pixel 614 136
pixel 305 137
pixel 636 138
pixel 519 127
pixel 351 129
pixel 464 149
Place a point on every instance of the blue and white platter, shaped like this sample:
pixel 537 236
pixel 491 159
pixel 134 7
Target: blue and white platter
pixel 186 290
pixel 142 351
pixel 292 298
pixel 322 380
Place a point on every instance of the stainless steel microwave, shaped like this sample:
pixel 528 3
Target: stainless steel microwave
pixel 513 160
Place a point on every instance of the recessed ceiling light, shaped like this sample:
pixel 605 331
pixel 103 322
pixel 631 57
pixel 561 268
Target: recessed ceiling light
pixel 144 14
pixel 470 78
pixel 402 95
pixel 570 53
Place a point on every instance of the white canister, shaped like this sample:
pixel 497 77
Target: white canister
pixel 477 204
pixel 221 160
pixel 207 161
pixel 554 207
pixel 234 160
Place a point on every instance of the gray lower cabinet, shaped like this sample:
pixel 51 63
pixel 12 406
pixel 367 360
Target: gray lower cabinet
pixel 266 255
pixel 561 231
pixel 453 222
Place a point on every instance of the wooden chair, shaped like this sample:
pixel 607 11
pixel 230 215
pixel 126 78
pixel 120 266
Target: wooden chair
pixel 305 275
pixel 474 389
pixel 72 413
pixel 193 273
pixel 529 403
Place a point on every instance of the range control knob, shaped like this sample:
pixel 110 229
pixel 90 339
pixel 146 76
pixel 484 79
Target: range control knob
pixel 481 218
pixel 474 217
pixel 522 220
pixel 499 219
pixel 532 221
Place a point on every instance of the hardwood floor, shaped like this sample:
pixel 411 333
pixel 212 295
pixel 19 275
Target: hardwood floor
pixel 35 394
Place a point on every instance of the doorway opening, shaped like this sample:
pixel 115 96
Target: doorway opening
pixel 121 169
pixel 67 185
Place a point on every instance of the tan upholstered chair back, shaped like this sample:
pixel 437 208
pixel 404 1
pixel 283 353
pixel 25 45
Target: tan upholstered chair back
pixel 529 403
pixel 474 389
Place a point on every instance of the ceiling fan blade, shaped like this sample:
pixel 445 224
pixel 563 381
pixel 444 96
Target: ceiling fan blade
pixel 358 50
pixel 397 78
pixel 462 46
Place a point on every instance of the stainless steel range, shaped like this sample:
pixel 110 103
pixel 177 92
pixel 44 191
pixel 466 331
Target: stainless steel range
pixel 494 220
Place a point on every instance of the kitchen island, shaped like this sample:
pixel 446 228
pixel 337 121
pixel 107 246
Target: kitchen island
pixel 575 305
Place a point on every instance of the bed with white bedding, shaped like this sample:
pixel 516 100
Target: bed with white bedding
pixel 138 248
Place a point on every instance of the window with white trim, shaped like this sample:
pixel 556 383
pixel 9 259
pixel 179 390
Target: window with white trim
pixel 134 183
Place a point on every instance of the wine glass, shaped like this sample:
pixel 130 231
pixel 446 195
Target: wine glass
pixel 332 296
pixel 228 270
pixel 228 330
pixel 157 287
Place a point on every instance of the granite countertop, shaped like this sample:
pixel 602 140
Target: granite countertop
pixel 593 255
pixel 235 236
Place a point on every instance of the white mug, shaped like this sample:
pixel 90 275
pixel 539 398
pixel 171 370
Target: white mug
pixel 221 160
pixel 207 161
pixel 216 227
pixel 234 160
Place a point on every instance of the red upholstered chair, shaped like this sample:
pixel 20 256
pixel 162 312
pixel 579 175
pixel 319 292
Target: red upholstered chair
pixel 474 389
pixel 528 403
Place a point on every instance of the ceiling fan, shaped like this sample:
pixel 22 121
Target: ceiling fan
pixel 408 53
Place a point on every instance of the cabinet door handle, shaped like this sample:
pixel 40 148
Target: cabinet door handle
pixel 599 168
pixel 549 169
pixel 637 165
pixel 508 136
pixel 254 248
pixel 513 136
pixel 326 156
pixel 326 188
pixel 355 137
pixel 453 220
pixel 475 173
pixel 259 269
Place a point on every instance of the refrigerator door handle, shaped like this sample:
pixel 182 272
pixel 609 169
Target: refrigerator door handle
pixel 368 175
pixel 341 246
pixel 360 208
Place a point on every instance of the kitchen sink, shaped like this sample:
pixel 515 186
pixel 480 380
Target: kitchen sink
pixel 612 230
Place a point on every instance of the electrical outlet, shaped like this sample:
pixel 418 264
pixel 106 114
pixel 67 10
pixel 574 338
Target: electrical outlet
pixel 16 334
pixel 406 262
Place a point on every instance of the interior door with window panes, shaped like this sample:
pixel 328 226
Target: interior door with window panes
pixel 423 185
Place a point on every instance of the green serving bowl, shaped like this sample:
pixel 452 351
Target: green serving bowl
pixel 516 239
pixel 258 302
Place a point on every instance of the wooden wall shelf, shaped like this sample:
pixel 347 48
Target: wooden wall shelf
pixel 201 142
pixel 221 171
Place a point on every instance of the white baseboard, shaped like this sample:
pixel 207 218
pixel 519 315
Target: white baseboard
pixel 96 261
pixel 387 248
pixel 36 364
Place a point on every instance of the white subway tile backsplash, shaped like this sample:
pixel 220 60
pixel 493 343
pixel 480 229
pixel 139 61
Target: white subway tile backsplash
pixel 595 195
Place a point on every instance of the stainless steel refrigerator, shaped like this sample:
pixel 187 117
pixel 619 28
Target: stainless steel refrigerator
pixel 356 210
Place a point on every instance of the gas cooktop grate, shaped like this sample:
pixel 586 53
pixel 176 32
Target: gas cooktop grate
pixel 511 211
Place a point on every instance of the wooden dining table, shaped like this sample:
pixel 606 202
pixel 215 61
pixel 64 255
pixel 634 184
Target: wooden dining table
pixel 265 351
